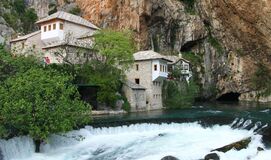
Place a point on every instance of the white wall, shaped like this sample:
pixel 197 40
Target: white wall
pixel 53 35
pixel 159 73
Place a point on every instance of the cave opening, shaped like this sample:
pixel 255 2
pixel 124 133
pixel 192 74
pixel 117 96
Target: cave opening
pixel 229 97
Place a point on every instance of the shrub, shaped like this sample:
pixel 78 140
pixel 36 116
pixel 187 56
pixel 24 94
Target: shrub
pixel 40 102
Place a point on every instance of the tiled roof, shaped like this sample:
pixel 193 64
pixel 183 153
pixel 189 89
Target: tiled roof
pixel 68 17
pixel 148 55
pixel 25 37
pixel 175 59
pixel 134 85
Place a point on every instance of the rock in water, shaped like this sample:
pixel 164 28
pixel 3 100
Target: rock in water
pixel 212 156
pixel 237 145
pixel 169 158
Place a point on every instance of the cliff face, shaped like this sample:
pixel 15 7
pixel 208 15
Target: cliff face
pixel 231 36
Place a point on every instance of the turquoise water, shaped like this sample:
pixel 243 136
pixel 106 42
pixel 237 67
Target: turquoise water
pixel 155 134
pixel 213 113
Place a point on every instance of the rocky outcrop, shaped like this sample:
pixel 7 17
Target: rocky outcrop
pixel 230 36
pixel 169 158
pixel 5 31
pixel 212 156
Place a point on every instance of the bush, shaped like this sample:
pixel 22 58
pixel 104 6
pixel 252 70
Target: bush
pixel 261 80
pixel 76 11
pixel 126 106
pixel 40 102
pixel 179 94
pixel 189 6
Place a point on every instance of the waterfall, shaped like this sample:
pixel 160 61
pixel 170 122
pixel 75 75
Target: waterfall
pixel 22 147
pixel 139 141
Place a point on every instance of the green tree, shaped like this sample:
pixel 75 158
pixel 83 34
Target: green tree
pixel 40 102
pixel 114 48
pixel 29 18
pixel 113 55
pixel 11 65
pixel 108 78
pixel 261 80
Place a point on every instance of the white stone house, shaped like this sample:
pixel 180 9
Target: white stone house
pixel 148 72
pixel 57 32
pixel 184 65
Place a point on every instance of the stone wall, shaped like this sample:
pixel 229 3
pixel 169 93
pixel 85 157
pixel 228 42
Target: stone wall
pixel 144 74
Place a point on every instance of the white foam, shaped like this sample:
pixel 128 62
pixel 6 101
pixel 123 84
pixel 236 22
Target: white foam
pixel 188 141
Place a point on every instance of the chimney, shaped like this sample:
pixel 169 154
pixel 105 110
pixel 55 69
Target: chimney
pixel 180 55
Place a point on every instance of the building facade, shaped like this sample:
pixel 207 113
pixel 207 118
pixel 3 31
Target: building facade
pixel 59 37
pixel 149 71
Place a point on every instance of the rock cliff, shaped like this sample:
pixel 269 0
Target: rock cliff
pixel 226 38
pixel 231 37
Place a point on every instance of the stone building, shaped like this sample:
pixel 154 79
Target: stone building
pixel 62 37
pixel 136 95
pixel 182 65
pixel 147 74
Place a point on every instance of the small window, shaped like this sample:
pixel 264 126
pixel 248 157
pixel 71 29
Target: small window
pixel 54 26
pixel 61 26
pixel 137 67
pixel 49 27
pixel 45 28
pixel 160 68
pixel 186 67
pixel 155 67
pixel 137 81
pixel 23 45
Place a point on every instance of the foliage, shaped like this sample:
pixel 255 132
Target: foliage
pixel 261 80
pixel 189 6
pixel 76 11
pixel 19 17
pixel 126 106
pixel 195 59
pixel 215 43
pixel 114 48
pixel 179 94
pixel 44 102
pixel 155 43
pixel 10 65
pixel 107 77
pixel 29 18
pixel 52 8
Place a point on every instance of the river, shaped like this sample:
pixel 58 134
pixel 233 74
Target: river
pixel 188 134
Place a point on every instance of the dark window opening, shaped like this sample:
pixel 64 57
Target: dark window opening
pixel 155 67
pixel 137 67
pixel 229 97
pixel 137 81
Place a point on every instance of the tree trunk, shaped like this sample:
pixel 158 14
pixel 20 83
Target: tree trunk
pixel 37 145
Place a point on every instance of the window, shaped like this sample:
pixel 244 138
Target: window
pixel 137 81
pixel 185 67
pixel 160 68
pixel 155 67
pixel 137 67
pixel 45 28
pixel 61 26
pixel 54 26
pixel 49 27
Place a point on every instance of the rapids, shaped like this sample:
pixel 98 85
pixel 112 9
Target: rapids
pixel 187 141
pixel 188 134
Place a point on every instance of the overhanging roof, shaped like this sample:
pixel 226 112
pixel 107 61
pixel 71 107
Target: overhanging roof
pixel 68 17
